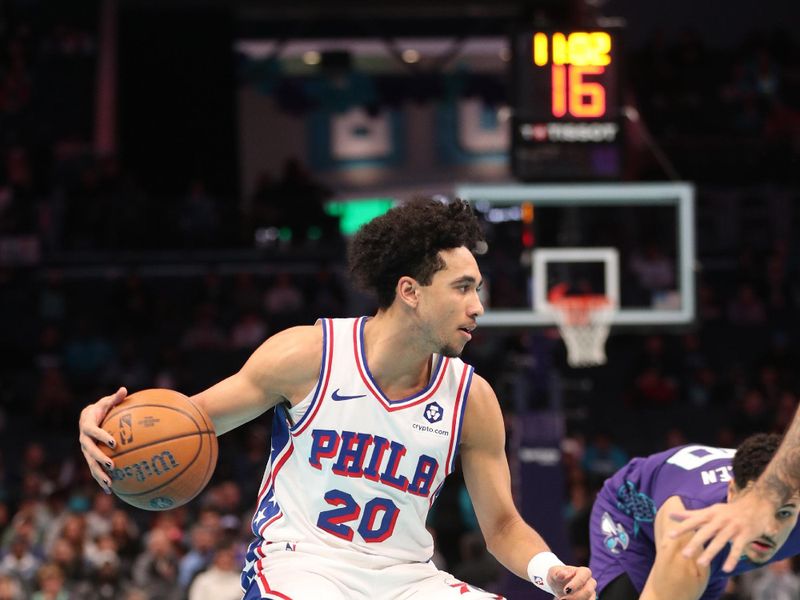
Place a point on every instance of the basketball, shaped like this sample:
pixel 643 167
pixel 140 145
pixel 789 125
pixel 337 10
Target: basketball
pixel 166 449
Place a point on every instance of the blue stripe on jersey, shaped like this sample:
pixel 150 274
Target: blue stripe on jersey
pixel 324 365
pixel 267 508
pixel 459 424
pixel 425 390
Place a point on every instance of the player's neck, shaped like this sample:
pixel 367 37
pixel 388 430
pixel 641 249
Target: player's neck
pixel 396 359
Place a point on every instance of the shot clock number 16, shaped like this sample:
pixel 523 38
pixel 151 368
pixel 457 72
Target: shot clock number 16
pixel 567 119
pixel 576 60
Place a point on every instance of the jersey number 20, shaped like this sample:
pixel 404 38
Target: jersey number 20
pixel 333 521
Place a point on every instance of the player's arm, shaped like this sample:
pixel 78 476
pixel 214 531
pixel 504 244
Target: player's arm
pixel 673 576
pixel 743 521
pixel 486 473
pixel 284 367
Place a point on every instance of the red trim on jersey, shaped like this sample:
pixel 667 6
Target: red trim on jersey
pixel 376 391
pixel 270 480
pixel 274 471
pixel 453 426
pixel 270 522
pixel 266 589
pixel 328 358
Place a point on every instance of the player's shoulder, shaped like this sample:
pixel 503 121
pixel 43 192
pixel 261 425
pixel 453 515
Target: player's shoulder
pixel 480 391
pixel 299 333
pixel 294 353
pixel 483 416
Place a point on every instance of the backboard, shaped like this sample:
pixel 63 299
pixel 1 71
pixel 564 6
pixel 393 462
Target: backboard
pixel 633 242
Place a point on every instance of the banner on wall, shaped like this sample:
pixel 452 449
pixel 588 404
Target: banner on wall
pixel 355 138
pixel 470 131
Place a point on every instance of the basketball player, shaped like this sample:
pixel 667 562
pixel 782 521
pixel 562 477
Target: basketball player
pixel 632 554
pixel 717 525
pixel 369 416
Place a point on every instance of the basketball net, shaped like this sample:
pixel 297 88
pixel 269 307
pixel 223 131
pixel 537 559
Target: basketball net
pixel 584 322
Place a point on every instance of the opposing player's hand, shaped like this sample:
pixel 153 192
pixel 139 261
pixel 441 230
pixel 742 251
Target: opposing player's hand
pixel 739 523
pixel 91 433
pixel 572 583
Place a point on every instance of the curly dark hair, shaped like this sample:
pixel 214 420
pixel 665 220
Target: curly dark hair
pixel 752 457
pixel 406 241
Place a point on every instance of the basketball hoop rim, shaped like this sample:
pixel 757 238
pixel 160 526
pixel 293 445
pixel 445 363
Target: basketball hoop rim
pixel 575 309
pixel 577 301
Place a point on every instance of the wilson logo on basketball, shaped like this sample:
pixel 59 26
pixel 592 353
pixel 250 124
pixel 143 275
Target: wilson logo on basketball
pixel 125 429
pixel 157 465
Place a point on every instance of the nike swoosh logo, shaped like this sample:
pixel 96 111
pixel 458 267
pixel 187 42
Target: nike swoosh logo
pixel 338 397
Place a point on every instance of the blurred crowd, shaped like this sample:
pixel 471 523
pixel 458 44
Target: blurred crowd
pixel 717 114
pixel 71 336
pixel 71 332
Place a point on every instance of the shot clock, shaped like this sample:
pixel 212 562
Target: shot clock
pixel 566 98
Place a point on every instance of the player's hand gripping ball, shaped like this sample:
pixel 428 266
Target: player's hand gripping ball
pixel 166 449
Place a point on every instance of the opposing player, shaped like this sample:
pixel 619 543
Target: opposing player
pixel 632 553
pixel 369 416
pixel 720 524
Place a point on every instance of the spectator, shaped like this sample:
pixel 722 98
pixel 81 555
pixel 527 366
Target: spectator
pixel 654 271
pixel 777 582
pixel 204 333
pixel 199 216
pixel 19 562
pixel 106 579
pixel 576 514
pixel 283 299
pixel 653 389
pixel 10 588
pixel 221 581
pixel 51 584
pixel 69 560
pixel 477 566
pixel 125 534
pixel 602 457
pixel 86 354
pixel 98 519
pixel 245 296
pixel 203 539
pixel 155 571
pixel 746 308
pixel 53 403
pixel 751 415
pixel 249 331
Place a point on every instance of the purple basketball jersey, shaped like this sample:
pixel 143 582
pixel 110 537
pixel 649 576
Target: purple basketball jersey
pixel 621 526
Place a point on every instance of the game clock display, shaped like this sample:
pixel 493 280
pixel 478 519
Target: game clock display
pixel 566 98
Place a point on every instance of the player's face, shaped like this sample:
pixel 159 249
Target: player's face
pixel 451 305
pixel 764 547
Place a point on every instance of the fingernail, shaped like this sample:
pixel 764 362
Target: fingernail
pixel 568 590
pixel 109 466
pixel 112 444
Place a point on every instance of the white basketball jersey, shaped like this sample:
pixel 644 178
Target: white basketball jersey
pixel 357 470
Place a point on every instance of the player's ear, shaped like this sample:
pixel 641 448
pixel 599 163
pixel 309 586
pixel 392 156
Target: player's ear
pixel 733 490
pixel 407 290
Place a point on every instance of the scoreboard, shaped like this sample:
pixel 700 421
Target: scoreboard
pixel 567 122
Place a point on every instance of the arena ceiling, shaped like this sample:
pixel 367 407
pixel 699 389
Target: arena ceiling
pixel 354 18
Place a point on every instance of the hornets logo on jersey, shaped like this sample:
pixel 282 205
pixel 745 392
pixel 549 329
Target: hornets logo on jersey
pixel 616 538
